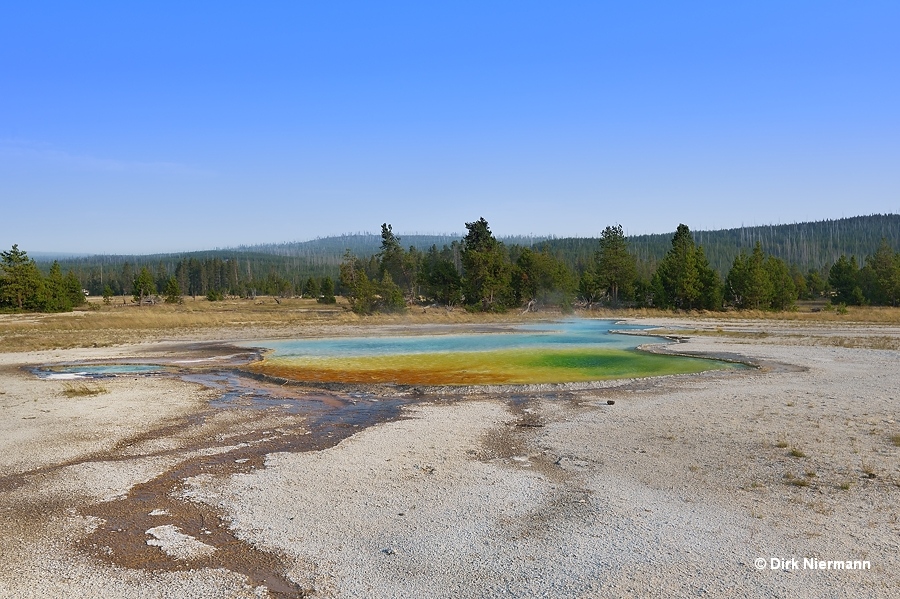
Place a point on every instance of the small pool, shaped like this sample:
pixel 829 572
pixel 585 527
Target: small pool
pixel 96 371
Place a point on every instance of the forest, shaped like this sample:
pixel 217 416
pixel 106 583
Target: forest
pixel 851 261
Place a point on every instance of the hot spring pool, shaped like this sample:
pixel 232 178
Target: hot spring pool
pixel 572 350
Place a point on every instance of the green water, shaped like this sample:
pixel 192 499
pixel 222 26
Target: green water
pixel 576 350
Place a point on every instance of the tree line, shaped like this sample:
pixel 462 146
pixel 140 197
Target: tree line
pixel 478 271
pixel 808 245
pixel 484 274
pixel 214 275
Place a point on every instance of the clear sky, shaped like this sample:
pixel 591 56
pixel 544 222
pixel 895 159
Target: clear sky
pixel 134 127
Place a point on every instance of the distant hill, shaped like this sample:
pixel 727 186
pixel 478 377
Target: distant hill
pixel 367 244
pixel 812 245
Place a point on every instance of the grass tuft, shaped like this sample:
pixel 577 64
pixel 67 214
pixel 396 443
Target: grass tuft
pixel 796 453
pixel 795 481
pixel 83 390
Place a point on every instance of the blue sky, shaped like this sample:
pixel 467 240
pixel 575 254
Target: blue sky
pixel 143 127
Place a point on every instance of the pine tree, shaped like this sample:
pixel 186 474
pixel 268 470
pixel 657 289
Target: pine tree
pixel 486 269
pixel 711 293
pixel 748 282
pixel 390 295
pixel 843 279
pixel 678 282
pixel 881 276
pixel 311 288
pixel 143 286
pixel 21 284
pixel 327 288
pixel 392 259
pixel 783 289
pixel 615 266
pixel 173 291
pixel 55 299
pixel 440 277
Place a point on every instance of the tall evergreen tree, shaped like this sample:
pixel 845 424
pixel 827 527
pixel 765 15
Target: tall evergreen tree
pixel 143 286
pixel 711 293
pixel 615 266
pixel 21 284
pixel 486 268
pixel 784 290
pixel 678 278
pixel 327 288
pixel 311 288
pixel 684 279
pixel 390 296
pixel 881 276
pixel 748 282
pixel 441 279
pixel 843 279
pixel 541 277
pixel 392 259
pixel 55 296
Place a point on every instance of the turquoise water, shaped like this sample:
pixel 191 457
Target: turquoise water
pixel 97 370
pixel 564 334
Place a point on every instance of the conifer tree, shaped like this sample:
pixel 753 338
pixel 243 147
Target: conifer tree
pixel 327 288
pixel 486 268
pixel 881 276
pixel 441 280
pixel 616 268
pixel 843 278
pixel 143 286
pixel 173 291
pixel 684 278
pixel 748 282
pixel 21 284
pixel 55 299
pixel 311 288
pixel 390 296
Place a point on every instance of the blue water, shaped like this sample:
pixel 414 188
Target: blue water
pixel 97 371
pixel 569 333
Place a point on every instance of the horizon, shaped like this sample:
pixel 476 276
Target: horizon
pixel 139 130
pixel 42 255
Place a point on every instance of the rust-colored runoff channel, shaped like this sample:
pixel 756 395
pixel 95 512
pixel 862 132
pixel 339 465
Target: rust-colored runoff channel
pixel 121 537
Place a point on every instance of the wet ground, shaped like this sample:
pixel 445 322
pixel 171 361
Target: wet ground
pixel 275 416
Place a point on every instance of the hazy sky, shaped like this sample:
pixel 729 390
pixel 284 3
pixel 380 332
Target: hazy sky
pixel 168 126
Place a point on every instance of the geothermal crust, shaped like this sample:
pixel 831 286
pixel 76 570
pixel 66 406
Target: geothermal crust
pixel 678 488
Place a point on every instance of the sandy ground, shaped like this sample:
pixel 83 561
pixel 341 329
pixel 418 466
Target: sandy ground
pixel 677 489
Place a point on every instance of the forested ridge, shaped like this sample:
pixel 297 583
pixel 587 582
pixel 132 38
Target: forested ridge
pixel 808 246
pixel 529 270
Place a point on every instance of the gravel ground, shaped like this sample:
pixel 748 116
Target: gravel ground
pixel 677 489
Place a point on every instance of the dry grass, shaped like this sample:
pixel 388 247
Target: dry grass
pixel 104 325
pixel 860 314
pixel 795 481
pixel 83 389
pixel 864 341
